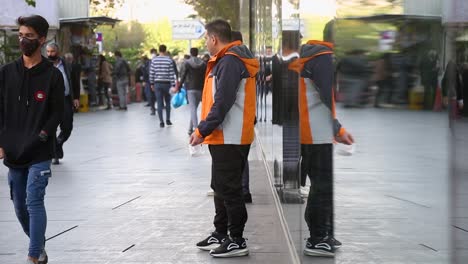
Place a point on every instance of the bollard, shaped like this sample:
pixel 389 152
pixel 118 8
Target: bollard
pixel 138 92
pixel 84 103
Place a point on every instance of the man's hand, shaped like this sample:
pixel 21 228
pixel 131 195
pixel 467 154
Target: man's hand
pixel 445 101
pixel 346 138
pixel 195 139
pixel 2 153
pixel 152 87
pixel 76 103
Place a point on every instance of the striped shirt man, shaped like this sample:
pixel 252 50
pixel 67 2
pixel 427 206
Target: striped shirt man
pixel 162 70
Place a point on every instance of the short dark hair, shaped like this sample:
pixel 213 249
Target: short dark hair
pixel 36 22
pixel 153 50
pixel 236 35
pixel 118 53
pixel 194 52
pixel 221 29
pixel 162 48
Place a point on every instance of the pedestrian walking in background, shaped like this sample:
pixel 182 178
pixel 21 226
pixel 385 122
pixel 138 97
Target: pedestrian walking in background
pixel 105 81
pixel 121 74
pixel 66 122
pixel 193 78
pixel 89 64
pixel 162 78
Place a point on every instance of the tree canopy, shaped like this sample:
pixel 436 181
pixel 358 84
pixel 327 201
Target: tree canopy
pixel 212 9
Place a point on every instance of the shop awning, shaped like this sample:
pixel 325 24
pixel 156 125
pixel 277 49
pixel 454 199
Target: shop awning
pixel 392 18
pixel 90 21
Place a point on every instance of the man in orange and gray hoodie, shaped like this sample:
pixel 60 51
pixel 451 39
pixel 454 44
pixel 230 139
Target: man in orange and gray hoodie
pixel 227 126
pixel 319 127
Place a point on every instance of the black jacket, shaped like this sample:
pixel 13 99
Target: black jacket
pixel 31 101
pixel 193 74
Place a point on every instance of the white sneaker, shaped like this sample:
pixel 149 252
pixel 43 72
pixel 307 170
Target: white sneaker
pixel 304 191
pixel 210 193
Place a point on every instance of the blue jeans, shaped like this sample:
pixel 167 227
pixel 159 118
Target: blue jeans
pixel 161 90
pixel 27 190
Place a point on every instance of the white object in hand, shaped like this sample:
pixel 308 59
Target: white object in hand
pixel 196 151
pixel 345 150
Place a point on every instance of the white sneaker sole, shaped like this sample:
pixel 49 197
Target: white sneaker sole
pixel 234 253
pixel 208 248
pixel 318 253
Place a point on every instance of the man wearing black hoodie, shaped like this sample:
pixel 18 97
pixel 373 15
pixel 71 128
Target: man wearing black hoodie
pixel 193 78
pixel 31 106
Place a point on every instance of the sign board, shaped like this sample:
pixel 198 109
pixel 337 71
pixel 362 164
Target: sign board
pixel 187 29
pixel 288 24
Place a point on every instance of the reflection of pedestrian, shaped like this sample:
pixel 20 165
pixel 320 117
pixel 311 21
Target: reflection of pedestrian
pixel 237 36
pixel 30 111
pixel 193 77
pixel 105 80
pixel 228 103
pixel 121 74
pixel 355 73
pixel 66 123
pixel 429 70
pixel 319 127
pixel 162 78
pixel 452 89
pixel 463 92
pixel 383 79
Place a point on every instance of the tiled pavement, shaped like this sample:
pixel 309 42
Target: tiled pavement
pixel 128 192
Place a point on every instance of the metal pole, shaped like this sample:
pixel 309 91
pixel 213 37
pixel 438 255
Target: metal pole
pixel 189 45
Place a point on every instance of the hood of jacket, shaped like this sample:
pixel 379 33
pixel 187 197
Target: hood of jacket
pixel 195 62
pixel 37 69
pixel 310 50
pixel 244 53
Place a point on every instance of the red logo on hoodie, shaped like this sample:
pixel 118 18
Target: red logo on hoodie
pixel 40 96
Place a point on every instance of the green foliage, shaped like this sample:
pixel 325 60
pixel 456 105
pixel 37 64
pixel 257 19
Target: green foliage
pixel 212 9
pixel 124 35
pixel 104 7
pixel 31 2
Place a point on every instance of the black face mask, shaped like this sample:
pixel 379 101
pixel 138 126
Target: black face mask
pixel 29 46
pixel 53 58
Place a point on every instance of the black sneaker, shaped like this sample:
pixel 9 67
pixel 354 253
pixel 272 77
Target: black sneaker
pixel 55 161
pixel 231 247
pixel 59 151
pixel 169 123
pixel 43 258
pixel 320 248
pixel 336 244
pixel 212 241
pixel 161 124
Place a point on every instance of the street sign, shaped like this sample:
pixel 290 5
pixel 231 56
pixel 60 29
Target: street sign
pixel 187 29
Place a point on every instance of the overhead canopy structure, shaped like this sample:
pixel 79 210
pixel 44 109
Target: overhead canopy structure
pixel 393 18
pixel 89 21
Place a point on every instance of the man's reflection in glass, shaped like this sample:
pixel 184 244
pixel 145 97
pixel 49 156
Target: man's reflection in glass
pixel 318 128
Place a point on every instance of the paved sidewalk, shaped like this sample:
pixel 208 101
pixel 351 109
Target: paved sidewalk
pixel 128 192
pixel 392 196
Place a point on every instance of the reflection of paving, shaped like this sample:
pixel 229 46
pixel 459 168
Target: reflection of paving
pixel 391 202
pixel 128 192
pixel 460 191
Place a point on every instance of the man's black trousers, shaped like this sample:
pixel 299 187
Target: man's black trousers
pixel 66 127
pixel 228 162
pixel 317 162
